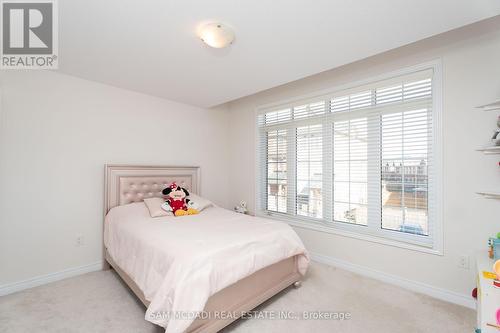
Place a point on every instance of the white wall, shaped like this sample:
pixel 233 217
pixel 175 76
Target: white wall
pixel 471 65
pixel 56 133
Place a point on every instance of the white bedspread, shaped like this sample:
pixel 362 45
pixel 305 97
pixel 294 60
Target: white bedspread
pixel 179 262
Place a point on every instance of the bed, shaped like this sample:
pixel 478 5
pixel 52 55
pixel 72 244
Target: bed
pixel 222 281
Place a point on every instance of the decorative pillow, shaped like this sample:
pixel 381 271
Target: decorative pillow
pixel 199 203
pixel 154 206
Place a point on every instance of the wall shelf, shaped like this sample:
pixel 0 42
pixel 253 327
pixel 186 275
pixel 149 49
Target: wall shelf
pixel 489 194
pixel 495 106
pixel 490 149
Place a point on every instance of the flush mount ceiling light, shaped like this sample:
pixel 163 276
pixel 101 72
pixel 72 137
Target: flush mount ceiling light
pixel 216 35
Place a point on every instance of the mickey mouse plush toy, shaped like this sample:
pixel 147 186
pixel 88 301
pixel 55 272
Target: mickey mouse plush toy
pixel 177 200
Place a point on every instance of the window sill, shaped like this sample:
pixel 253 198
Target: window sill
pixel 335 230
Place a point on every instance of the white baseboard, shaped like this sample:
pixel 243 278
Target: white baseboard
pixel 439 293
pixel 52 277
pixel 419 287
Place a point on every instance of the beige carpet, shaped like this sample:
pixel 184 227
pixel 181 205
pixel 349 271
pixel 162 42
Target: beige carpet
pixel 99 302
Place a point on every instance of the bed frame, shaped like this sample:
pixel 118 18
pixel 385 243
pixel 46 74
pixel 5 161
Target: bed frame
pixel 131 183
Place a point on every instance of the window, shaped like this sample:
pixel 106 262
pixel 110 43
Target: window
pixel 350 171
pixel 362 161
pixel 276 171
pixel 309 166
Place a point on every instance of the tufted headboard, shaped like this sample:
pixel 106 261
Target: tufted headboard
pixel 133 183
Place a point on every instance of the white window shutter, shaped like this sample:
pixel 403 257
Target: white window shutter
pixel 363 158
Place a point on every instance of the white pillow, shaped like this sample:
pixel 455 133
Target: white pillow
pixel 199 203
pixel 154 206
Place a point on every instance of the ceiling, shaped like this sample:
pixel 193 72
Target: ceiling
pixel 151 46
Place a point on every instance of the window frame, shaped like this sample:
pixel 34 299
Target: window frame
pixel 433 243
